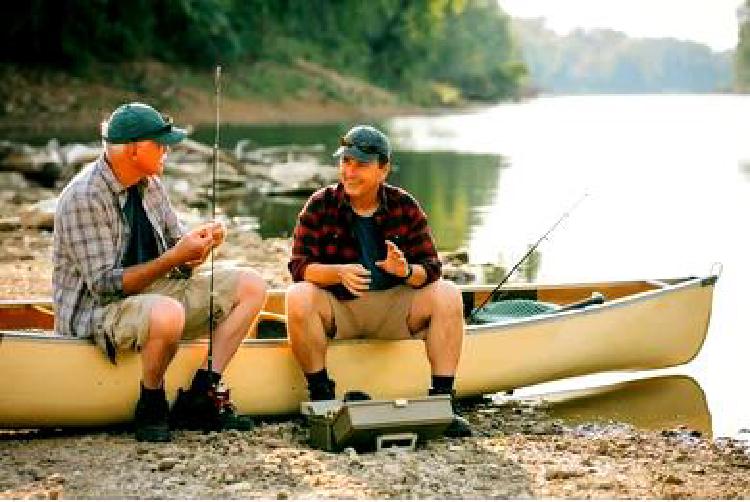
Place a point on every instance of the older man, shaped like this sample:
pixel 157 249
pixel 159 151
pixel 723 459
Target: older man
pixel 123 274
pixel 365 265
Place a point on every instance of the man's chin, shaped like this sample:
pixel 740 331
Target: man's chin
pixel 351 191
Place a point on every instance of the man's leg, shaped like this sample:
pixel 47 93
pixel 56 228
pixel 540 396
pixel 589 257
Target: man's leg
pixel 439 309
pixel 165 323
pixel 242 294
pixel 166 319
pixel 249 297
pixel 309 318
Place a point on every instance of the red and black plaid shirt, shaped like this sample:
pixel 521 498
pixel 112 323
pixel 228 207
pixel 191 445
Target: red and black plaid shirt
pixel 324 232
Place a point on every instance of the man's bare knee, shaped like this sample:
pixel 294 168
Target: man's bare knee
pixel 166 320
pixel 250 286
pixel 441 298
pixel 448 296
pixel 304 300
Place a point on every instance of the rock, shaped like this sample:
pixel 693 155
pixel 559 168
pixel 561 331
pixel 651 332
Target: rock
pixel 351 452
pixel 10 224
pixel 563 473
pixel 39 215
pixel 56 478
pixel 457 257
pixel 166 464
pixel 672 479
pixel 282 495
pixel 391 469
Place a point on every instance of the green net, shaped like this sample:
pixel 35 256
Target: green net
pixel 512 309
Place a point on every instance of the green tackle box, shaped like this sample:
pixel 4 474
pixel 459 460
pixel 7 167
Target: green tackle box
pixel 377 425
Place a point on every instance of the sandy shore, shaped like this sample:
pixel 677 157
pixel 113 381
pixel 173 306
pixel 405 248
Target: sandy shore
pixel 519 450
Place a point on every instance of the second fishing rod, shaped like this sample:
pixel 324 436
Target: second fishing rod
pixel 472 316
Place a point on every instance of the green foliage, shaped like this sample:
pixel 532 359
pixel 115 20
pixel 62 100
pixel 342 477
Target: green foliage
pixel 403 45
pixel 606 61
pixel 742 56
pixel 475 53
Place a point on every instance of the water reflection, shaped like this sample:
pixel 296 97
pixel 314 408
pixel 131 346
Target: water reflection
pixel 657 403
pixel 452 188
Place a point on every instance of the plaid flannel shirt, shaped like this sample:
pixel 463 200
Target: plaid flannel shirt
pixel 324 232
pixel 90 239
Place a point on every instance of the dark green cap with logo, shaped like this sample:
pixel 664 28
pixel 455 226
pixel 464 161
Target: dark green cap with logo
pixel 364 143
pixel 138 122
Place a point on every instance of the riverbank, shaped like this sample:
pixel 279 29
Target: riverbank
pixel 518 451
pixel 49 101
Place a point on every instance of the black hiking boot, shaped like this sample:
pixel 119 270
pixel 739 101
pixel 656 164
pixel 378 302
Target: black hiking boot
pixel 323 391
pixel 206 407
pixel 152 417
pixel 459 426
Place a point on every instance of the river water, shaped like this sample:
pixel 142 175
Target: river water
pixel 668 184
pixel 668 178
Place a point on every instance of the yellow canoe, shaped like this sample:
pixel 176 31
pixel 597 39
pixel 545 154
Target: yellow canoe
pixel 46 380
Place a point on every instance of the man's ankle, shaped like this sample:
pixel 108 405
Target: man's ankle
pixel 320 386
pixel 442 384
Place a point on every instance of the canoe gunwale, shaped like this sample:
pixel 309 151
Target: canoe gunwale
pixel 470 330
pixel 477 329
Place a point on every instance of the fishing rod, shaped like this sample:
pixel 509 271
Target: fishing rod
pixel 217 85
pixel 528 253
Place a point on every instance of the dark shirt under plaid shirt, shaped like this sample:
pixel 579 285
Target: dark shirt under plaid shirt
pixel 324 232
pixel 91 237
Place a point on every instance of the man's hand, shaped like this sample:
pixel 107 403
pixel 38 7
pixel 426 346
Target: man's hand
pixel 395 262
pixel 217 231
pixel 355 278
pixel 194 246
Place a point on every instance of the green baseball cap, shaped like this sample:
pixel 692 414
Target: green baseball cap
pixel 365 143
pixel 138 122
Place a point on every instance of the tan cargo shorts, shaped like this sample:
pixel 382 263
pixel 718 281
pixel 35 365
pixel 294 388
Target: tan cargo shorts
pixel 376 314
pixel 126 321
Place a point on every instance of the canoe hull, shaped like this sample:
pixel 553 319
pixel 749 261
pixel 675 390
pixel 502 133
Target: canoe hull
pixel 49 381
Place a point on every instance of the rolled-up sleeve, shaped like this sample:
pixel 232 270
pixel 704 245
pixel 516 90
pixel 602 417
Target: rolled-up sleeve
pixel 420 245
pixel 93 245
pixel 306 241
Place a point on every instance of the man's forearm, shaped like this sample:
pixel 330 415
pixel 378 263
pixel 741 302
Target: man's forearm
pixel 322 274
pixel 138 277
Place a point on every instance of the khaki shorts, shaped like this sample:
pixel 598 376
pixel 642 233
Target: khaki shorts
pixel 126 321
pixel 376 314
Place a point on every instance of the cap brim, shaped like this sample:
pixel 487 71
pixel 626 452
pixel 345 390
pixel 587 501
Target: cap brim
pixel 356 153
pixel 175 135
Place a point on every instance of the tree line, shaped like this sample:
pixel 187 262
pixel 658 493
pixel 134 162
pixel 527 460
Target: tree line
pixel 608 61
pixel 742 55
pixel 403 45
